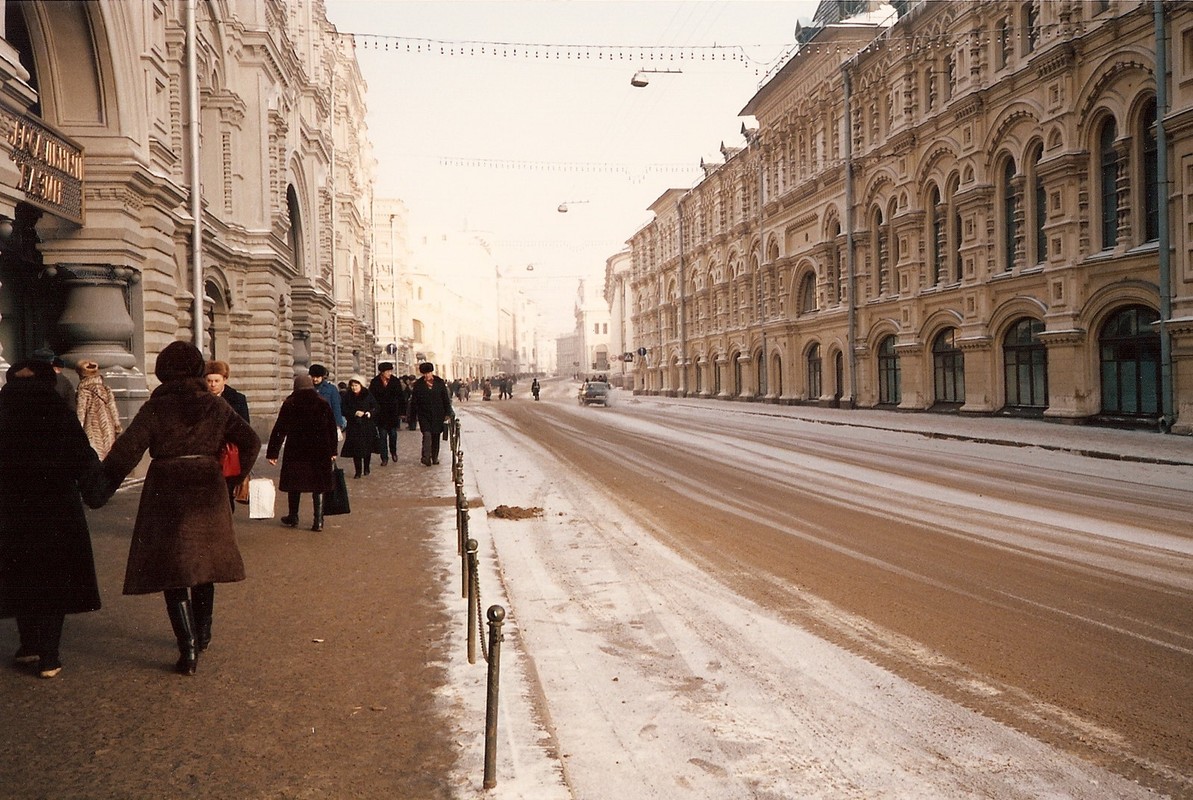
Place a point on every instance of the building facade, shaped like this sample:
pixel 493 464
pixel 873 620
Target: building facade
pixel 946 206
pixel 97 240
pixel 618 273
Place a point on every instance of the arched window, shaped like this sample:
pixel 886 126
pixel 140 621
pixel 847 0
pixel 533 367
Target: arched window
pixel 936 232
pixel 839 376
pixel 1130 357
pixel 836 291
pixel 760 374
pixel 1031 27
pixel 775 376
pixel 1038 253
pixel 16 32
pixel 1009 204
pixel 1002 44
pixel 1108 183
pixel 954 247
pixel 814 372
pixel 807 293
pixel 948 364
pixel 714 364
pixel 878 245
pixel 889 388
pixel 1149 170
pixel 1025 364
pixel 737 377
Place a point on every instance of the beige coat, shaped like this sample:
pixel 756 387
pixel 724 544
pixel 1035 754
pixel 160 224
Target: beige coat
pixel 97 414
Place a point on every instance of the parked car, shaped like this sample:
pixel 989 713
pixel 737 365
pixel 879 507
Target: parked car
pixel 594 392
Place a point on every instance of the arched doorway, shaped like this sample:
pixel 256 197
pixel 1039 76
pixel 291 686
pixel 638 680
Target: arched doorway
pixel 1025 365
pixel 1129 355
pixel 948 365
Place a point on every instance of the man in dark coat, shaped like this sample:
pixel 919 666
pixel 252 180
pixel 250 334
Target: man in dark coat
pixel 390 397
pixel 183 543
pixel 307 426
pixel 431 404
pixel 47 569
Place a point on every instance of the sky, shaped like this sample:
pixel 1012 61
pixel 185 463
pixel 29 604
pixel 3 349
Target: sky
pixel 495 144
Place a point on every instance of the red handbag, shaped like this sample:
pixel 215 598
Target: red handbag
pixel 230 460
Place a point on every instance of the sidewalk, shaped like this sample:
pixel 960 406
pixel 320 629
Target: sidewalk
pixel 322 679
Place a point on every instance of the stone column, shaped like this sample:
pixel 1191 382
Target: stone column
pixel 95 324
pixel 302 352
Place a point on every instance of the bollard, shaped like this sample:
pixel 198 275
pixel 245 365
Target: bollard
pixel 464 557
pixel 496 618
pixel 472 601
pixel 461 525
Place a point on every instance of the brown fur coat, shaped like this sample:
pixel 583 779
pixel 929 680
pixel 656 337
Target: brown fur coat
pixel 96 407
pixel 183 534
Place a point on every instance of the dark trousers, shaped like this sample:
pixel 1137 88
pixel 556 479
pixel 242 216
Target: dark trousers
pixel 40 635
pixel 388 438
pixel 430 445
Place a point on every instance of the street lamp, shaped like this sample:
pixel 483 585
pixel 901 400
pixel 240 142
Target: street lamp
pixel 639 80
pixel 563 207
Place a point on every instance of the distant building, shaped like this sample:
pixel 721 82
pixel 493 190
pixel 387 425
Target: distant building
pixel 621 325
pixel 946 206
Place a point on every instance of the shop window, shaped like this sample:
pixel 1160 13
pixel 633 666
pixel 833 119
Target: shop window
pixel 889 388
pixel 1025 364
pixel 1129 349
pixel 948 364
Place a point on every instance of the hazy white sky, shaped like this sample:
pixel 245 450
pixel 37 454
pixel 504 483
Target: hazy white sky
pixel 494 144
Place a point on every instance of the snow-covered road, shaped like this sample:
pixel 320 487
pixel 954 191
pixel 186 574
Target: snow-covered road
pixel 630 673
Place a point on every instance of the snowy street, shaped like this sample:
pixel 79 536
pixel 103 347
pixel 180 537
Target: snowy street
pixel 724 601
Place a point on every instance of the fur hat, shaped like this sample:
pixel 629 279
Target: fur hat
pixel 87 369
pixel 426 367
pixel 43 354
pixel 180 360
pixel 359 379
pixel 303 382
pixel 33 369
pixel 384 366
pixel 317 371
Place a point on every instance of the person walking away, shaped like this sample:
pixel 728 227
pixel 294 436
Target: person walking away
pixel 96 408
pixel 47 468
pixel 534 388
pixel 390 397
pixel 328 392
pixel 407 386
pixel 307 428
pixel 217 384
pixel 360 438
pixel 430 404
pixel 183 543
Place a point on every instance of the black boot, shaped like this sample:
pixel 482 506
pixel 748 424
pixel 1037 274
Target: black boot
pixel 184 631
pixel 318 525
pixel 358 464
pixel 368 461
pixel 291 519
pixel 202 604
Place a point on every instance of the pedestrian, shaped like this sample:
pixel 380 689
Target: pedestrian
pixel 217 377
pixel 408 385
pixel 387 391
pixel 96 408
pixel 430 404
pixel 534 388
pixel 328 392
pixel 183 543
pixel 47 467
pixel 486 389
pixel 360 438
pixel 307 428
pixel 62 384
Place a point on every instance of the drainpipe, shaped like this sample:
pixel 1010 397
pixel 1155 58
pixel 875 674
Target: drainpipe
pixel 192 78
pixel 849 258
pixel 1166 393
pixel 764 373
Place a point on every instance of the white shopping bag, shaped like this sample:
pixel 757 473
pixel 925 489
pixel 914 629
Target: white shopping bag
pixel 261 495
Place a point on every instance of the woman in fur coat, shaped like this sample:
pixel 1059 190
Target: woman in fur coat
pixel 46 565
pixel 360 439
pixel 96 406
pixel 183 542
pixel 307 426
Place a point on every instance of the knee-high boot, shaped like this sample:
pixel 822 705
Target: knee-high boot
pixel 318 526
pixel 184 631
pixel 202 606
pixel 291 519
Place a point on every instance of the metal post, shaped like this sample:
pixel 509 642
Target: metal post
pixel 192 80
pixel 496 617
pixel 464 557
pixel 472 548
pixel 1168 409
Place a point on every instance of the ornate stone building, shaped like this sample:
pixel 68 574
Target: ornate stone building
pixel 946 206
pixel 96 245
